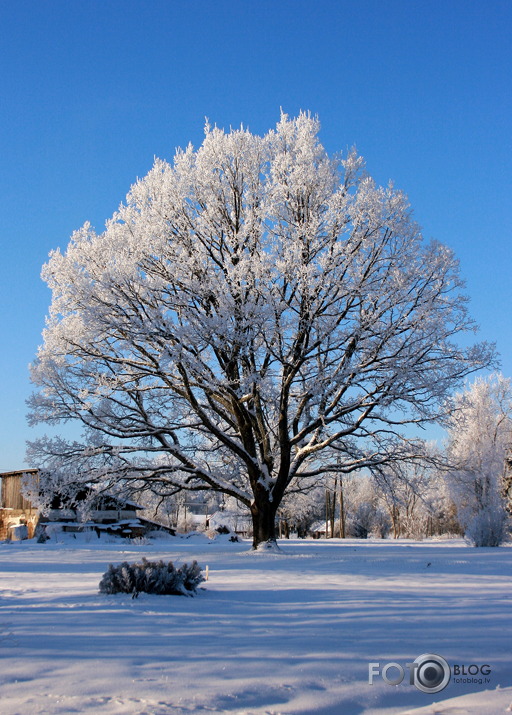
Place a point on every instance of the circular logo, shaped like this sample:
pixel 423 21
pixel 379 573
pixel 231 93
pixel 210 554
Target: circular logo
pixel 432 673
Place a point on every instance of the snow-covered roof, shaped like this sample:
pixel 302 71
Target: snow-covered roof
pixel 232 520
pixel 317 526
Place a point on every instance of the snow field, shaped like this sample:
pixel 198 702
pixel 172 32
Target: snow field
pixel 270 633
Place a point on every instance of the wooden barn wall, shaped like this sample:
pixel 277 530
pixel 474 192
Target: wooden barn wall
pixel 11 517
pixel 3 526
pixel 11 497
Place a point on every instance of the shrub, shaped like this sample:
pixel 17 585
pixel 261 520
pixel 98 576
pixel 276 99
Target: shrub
pixel 381 524
pixel 361 523
pixel 152 577
pixel 489 527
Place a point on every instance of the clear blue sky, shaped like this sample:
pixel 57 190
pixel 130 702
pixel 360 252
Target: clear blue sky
pixel 92 90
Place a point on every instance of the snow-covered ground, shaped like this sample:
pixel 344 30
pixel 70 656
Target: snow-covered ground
pixel 271 633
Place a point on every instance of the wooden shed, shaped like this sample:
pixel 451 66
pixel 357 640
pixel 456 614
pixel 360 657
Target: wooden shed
pixel 17 514
pixel 105 512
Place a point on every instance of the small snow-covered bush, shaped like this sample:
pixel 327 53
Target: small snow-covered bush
pixel 361 522
pixel 382 524
pixel 152 577
pixel 489 527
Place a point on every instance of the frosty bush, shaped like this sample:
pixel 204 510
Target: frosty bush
pixel 381 524
pixel 361 522
pixel 152 577
pixel 488 527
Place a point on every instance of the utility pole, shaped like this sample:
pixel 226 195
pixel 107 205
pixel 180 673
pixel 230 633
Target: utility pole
pixel 327 511
pixel 333 506
pixel 342 510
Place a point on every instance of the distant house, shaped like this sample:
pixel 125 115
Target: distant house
pixel 85 511
pixel 317 530
pixel 238 522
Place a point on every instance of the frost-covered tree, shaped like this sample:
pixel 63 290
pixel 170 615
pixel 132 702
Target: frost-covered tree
pixel 413 494
pixel 480 436
pixel 364 514
pixel 254 314
pixel 302 505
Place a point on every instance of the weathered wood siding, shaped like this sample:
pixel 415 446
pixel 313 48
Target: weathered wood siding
pixel 15 510
pixel 3 526
pixel 15 517
pixel 11 497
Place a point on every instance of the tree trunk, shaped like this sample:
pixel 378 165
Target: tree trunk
pixel 395 520
pixel 333 507
pixel 342 511
pixel 263 524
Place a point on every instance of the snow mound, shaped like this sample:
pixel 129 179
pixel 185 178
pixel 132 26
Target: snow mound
pixel 488 702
